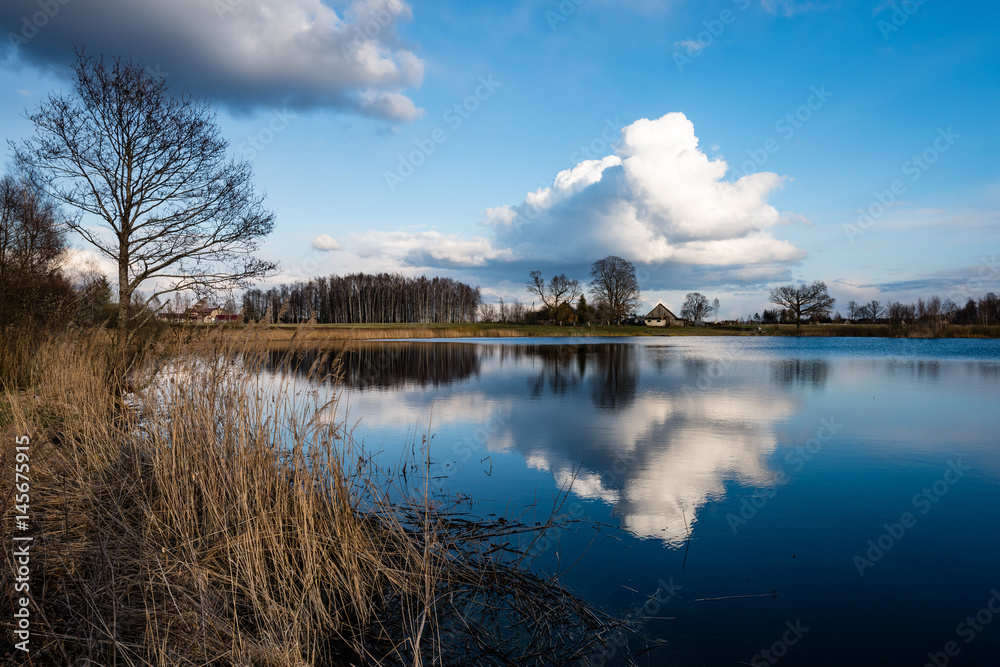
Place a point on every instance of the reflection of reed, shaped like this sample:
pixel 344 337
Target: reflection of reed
pixel 367 365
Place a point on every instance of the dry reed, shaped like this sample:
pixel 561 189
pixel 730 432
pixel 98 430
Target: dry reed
pixel 218 520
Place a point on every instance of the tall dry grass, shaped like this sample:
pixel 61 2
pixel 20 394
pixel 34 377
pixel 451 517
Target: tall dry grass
pixel 217 520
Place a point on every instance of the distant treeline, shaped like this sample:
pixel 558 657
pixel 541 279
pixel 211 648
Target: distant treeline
pixel 362 298
pixel 932 312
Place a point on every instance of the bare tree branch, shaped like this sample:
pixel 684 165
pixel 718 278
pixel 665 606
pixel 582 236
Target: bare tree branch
pixel 615 284
pixel 154 168
pixel 804 300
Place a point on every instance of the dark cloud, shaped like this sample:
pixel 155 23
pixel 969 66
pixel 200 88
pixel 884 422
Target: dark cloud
pixel 242 53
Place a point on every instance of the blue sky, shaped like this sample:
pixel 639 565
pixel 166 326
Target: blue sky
pixel 724 147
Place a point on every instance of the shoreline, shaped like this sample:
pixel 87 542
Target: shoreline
pixel 283 333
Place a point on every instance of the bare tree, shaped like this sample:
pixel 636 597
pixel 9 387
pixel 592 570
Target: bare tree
pixel 871 311
pixel 558 290
pixel 715 309
pixel 930 310
pixel 614 282
pixel 696 307
pixel 989 308
pixel 853 310
pixel 804 300
pixel 31 251
pixel 518 312
pixel 899 313
pixel 488 312
pixel 153 167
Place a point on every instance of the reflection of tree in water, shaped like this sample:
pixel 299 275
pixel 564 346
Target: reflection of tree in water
pixel 799 372
pixel 384 365
pixel 616 376
pixel 610 370
pixel 922 370
pixel 558 372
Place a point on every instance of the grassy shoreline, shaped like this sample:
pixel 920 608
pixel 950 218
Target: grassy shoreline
pixel 280 333
pixel 211 519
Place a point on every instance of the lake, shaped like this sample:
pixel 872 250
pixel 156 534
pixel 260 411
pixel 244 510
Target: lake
pixel 851 486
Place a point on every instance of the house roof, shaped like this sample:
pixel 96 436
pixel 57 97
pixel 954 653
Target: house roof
pixel 661 312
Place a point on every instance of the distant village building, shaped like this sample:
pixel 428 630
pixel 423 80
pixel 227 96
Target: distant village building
pixel 566 314
pixel 662 317
pixel 201 312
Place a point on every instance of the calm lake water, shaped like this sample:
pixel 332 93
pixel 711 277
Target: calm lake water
pixel 851 485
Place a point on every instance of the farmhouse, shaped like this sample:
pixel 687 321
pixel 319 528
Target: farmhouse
pixel 662 317
pixel 201 312
pixel 566 314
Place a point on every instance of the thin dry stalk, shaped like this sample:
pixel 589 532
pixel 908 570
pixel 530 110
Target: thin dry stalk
pixel 222 518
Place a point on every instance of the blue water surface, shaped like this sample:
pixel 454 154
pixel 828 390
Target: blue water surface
pixel 852 486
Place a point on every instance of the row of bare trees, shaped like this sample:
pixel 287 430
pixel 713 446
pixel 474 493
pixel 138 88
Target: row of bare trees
pixel 812 302
pixel 514 312
pixel 613 287
pixel 363 298
pixel 985 311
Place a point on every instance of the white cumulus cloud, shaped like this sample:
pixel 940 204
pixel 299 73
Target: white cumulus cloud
pixel 658 198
